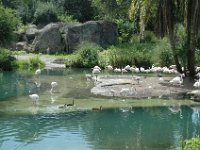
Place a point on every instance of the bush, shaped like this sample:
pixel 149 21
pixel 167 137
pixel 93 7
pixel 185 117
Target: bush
pixel 125 30
pixel 131 54
pixel 163 55
pixel 26 11
pixel 8 23
pixel 192 144
pixel 31 64
pixel 45 13
pixel 87 54
pixel 67 19
pixel 7 60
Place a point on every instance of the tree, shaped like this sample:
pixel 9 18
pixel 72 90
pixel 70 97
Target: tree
pixel 188 15
pixel 8 23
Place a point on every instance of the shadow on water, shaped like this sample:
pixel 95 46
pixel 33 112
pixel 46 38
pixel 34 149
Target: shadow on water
pixel 136 128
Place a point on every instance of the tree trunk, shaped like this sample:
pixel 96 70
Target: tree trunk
pixel 170 25
pixel 193 16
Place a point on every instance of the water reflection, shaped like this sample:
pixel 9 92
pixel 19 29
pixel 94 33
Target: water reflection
pixel 145 128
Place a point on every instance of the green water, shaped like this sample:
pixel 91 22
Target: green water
pixel 123 123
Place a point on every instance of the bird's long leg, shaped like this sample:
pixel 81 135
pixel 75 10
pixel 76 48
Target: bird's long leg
pixel 96 77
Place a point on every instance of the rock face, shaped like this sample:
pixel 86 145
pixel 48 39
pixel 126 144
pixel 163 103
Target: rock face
pixel 65 38
pixel 49 37
pixel 99 32
pixel 31 33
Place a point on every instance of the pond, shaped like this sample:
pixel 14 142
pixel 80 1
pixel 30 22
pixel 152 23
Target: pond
pixel 122 124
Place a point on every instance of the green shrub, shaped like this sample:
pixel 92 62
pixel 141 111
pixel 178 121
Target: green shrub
pixel 87 54
pixel 23 64
pixel 30 64
pixel 192 144
pixel 36 63
pixel 149 37
pixel 162 54
pixel 8 23
pixel 125 30
pixel 45 13
pixel 67 19
pixel 138 54
pixel 7 60
pixel 26 11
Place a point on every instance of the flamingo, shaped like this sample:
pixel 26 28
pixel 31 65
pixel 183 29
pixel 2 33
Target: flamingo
pixel 177 80
pixel 97 67
pixel 95 72
pixel 109 67
pixel 127 67
pixel 197 84
pixel 53 85
pixel 38 71
pixel 117 70
pixel 34 97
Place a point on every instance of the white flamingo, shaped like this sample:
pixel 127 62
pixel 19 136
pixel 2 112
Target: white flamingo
pixel 127 67
pixel 109 67
pixel 95 72
pixel 34 97
pixel 197 84
pixel 53 85
pixel 38 71
pixel 177 80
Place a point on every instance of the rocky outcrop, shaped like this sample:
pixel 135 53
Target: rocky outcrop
pixel 99 32
pixel 21 45
pixel 60 37
pixel 31 33
pixel 49 37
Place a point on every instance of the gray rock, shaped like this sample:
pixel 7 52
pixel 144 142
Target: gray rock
pixel 21 45
pixel 108 33
pixel 61 37
pixel 49 37
pixel 73 37
pixel 31 33
pixel 99 32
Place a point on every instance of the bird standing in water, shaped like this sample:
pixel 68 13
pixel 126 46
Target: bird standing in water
pixel 53 85
pixel 35 98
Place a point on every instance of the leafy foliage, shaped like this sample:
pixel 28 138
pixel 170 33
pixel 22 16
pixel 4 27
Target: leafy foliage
pixel 26 11
pixel 7 60
pixel 192 144
pixel 87 54
pixel 8 23
pixel 81 10
pixel 45 13
pixel 31 64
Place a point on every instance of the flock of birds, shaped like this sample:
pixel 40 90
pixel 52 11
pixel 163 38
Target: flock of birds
pixel 178 80
pixel 35 97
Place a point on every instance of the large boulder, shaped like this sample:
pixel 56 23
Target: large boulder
pixel 50 38
pixel 100 32
pixel 59 37
pixel 108 34
pixel 72 37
